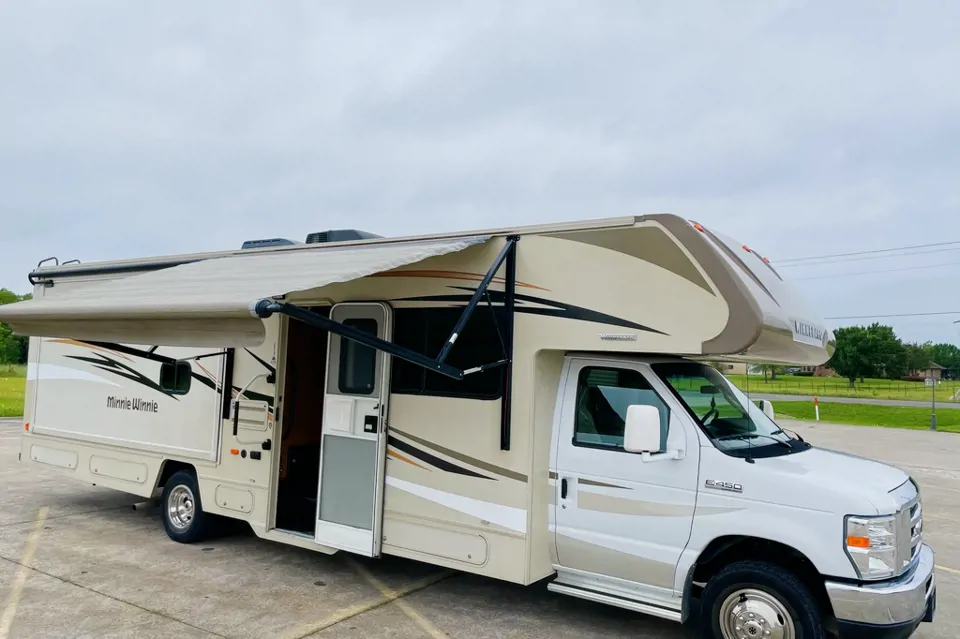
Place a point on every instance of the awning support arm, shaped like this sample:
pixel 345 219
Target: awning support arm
pixel 509 300
pixel 265 308
pixel 508 248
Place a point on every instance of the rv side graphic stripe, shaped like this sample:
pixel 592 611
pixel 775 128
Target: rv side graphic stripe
pixel 43 371
pixel 148 355
pixel 496 470
pixel 559 309
pixel 442 464
pixel 453 275
pixel 591 482
pixel 403 458
pixel 122 370
pixel 74 342
pixel 511 518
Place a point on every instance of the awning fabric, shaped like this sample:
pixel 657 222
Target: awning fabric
pixel 207 303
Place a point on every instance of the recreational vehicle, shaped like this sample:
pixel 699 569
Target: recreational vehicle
pixel 530 404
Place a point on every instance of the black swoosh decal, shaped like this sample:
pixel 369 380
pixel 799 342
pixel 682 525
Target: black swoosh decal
pixel 154 357
pixel 442 464
pixel 122 370
pixel 559 309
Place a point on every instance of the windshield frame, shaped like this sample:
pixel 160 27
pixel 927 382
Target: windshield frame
pixel 763 437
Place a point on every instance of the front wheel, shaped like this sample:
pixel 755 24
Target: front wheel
pixel 758 600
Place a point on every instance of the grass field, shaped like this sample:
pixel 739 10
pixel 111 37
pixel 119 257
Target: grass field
pixel 837 387
pixel 868 415
pixel 12 381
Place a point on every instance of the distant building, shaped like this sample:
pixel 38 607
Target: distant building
pixel 934 371
pixel 819 371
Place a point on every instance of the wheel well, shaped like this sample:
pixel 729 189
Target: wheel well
pixel 170 467
pixel 723 551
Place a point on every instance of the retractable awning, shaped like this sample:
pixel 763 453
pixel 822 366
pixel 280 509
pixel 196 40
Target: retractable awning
pixel 209 303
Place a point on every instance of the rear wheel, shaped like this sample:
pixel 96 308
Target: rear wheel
pixel 183 516
pixel 758 600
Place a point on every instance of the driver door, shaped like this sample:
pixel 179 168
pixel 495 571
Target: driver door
pixel 621 523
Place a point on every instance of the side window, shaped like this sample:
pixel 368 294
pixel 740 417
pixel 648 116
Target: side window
pixel 175 377
pixel 358 362
pixel 603 395
pixel 425 330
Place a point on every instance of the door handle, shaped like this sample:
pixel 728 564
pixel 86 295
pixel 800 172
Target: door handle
pixel 563 488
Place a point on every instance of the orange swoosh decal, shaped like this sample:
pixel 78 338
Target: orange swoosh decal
pixel 453 275
pixel 402 458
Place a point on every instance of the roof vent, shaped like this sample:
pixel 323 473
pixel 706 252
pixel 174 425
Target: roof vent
pixel 339 235
pixel 276 241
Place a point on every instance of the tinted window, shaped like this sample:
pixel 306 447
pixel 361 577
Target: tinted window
pixel 175 377
pixel 358 362
pixel 603 395
pixel 424 330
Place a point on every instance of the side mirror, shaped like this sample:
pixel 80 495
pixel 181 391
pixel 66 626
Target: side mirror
pixel 642 430
pixel 767 407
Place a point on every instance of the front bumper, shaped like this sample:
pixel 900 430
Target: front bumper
pixel 891 609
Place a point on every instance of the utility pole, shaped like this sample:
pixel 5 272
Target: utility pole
pixel 933 405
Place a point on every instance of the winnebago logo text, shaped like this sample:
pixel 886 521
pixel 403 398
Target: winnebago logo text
pixel 125 403
pixel 808 330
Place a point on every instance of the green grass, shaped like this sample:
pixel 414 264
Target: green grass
pixel 868 415
pixel 12 382
pixel 839 387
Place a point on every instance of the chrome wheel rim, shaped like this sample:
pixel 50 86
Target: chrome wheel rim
pixel 755 614
pixel 181 507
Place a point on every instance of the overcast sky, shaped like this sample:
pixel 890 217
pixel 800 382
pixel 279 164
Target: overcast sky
pixel 131 129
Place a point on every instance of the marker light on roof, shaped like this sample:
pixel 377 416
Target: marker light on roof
pixel 698 227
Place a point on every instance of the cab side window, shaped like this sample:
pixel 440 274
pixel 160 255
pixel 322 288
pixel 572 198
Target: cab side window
pixel 603 395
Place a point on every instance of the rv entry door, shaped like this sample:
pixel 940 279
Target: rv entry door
pixel 354 435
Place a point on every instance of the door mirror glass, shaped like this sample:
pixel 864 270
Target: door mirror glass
pixel 642 433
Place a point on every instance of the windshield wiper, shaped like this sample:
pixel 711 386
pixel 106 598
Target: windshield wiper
pixel 797 435
pixel 748 436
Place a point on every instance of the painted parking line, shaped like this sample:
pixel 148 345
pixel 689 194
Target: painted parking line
pixel 952 571
pixel 411 612
pixel 352 611
pixel 13 600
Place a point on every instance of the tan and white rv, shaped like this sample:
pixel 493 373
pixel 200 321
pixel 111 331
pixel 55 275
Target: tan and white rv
pixel 525 404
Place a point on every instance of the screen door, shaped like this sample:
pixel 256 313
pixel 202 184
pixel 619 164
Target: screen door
pixel 353 447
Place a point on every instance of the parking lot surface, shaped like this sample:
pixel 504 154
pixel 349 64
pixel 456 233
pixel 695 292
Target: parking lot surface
pixel 79 561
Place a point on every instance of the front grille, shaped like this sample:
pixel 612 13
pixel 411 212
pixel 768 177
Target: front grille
pixel 909 530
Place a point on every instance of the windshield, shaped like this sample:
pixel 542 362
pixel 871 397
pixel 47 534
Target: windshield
pixel 727 416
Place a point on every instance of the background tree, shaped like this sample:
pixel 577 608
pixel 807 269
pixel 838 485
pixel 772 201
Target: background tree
pixel 13 348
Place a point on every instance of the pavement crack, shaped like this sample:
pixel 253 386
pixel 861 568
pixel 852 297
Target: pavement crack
pixel 114 598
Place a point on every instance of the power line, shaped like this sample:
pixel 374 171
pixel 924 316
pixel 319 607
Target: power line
pixel 869 257
pixel 886 250
pixel 850 317
pixel 892 270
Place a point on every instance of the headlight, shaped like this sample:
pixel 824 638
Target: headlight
pixel 872 546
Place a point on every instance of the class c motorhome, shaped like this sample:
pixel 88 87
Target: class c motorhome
pixel 527 404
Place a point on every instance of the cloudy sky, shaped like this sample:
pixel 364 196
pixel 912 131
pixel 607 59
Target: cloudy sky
pixel 800 128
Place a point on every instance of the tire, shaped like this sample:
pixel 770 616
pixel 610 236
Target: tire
pixel 778 600
pixel 183 516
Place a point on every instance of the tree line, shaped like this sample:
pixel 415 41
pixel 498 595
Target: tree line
pixel 876 351
pixel 13 348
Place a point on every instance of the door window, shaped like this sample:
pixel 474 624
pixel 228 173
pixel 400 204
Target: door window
pixel 603 395
pixel 358 362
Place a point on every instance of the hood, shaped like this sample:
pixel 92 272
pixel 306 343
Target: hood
pixel 855 485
